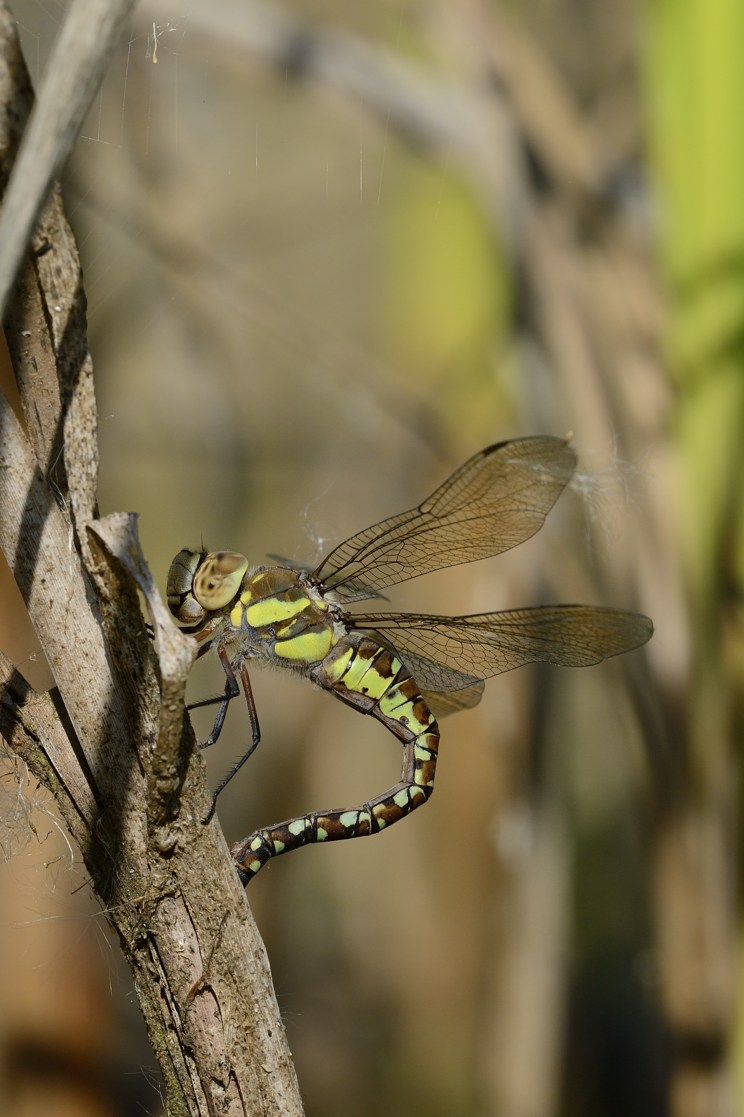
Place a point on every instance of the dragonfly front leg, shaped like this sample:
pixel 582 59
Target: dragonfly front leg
pixel 255 731
pixel 404 712
pixel 231 691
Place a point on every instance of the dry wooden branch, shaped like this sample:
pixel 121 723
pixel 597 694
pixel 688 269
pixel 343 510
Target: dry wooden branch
pixel 89 34
pixel 111 742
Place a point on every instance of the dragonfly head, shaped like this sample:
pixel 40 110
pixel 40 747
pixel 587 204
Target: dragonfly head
pixel 199 584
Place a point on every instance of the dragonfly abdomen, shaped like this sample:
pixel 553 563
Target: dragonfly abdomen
pixel 370 677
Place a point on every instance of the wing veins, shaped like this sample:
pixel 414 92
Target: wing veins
pixel 503 493
pixel 452 652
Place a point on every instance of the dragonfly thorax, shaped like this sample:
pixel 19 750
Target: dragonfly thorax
pixel 280 615
pixel 274 612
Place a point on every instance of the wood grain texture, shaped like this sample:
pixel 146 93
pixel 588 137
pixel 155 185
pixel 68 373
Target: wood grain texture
pixel 111 741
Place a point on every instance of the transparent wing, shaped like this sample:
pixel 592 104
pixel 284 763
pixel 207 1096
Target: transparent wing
pixel 453 690
pixel 444 702
pixel 494 501
pixel 453 653
pixel 448 699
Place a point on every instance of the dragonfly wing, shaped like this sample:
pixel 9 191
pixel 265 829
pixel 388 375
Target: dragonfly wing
pixel 450 653
pixel 291 564
pixel 358 590
pixel 497 499
pixel 444 702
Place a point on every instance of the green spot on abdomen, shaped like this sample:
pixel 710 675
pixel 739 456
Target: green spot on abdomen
pixel 399 706
pixel 364 677
pixel 335 669
pixel 354 675
pixel 373 683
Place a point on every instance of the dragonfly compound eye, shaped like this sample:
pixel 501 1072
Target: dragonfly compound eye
pixel 181 601
pixel 218 579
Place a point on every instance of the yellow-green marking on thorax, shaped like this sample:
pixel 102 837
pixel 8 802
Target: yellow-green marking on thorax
pixel 273 610
pixel 272 604
pixel 308 647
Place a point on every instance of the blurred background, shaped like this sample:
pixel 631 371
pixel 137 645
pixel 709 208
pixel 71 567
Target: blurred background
pixel 330 251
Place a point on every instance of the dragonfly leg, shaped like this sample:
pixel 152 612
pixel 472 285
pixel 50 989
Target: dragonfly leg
pixel 404 712
pixel 255 731
pixel 255 735
pixel 232 690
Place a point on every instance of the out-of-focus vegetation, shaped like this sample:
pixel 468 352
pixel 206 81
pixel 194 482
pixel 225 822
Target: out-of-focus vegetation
pixel 694 91
pixel 305 308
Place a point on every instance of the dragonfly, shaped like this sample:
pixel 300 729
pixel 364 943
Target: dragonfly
pixel 407 670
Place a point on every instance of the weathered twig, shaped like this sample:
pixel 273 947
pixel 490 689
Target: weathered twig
pixel 89 34
pixel 113 744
